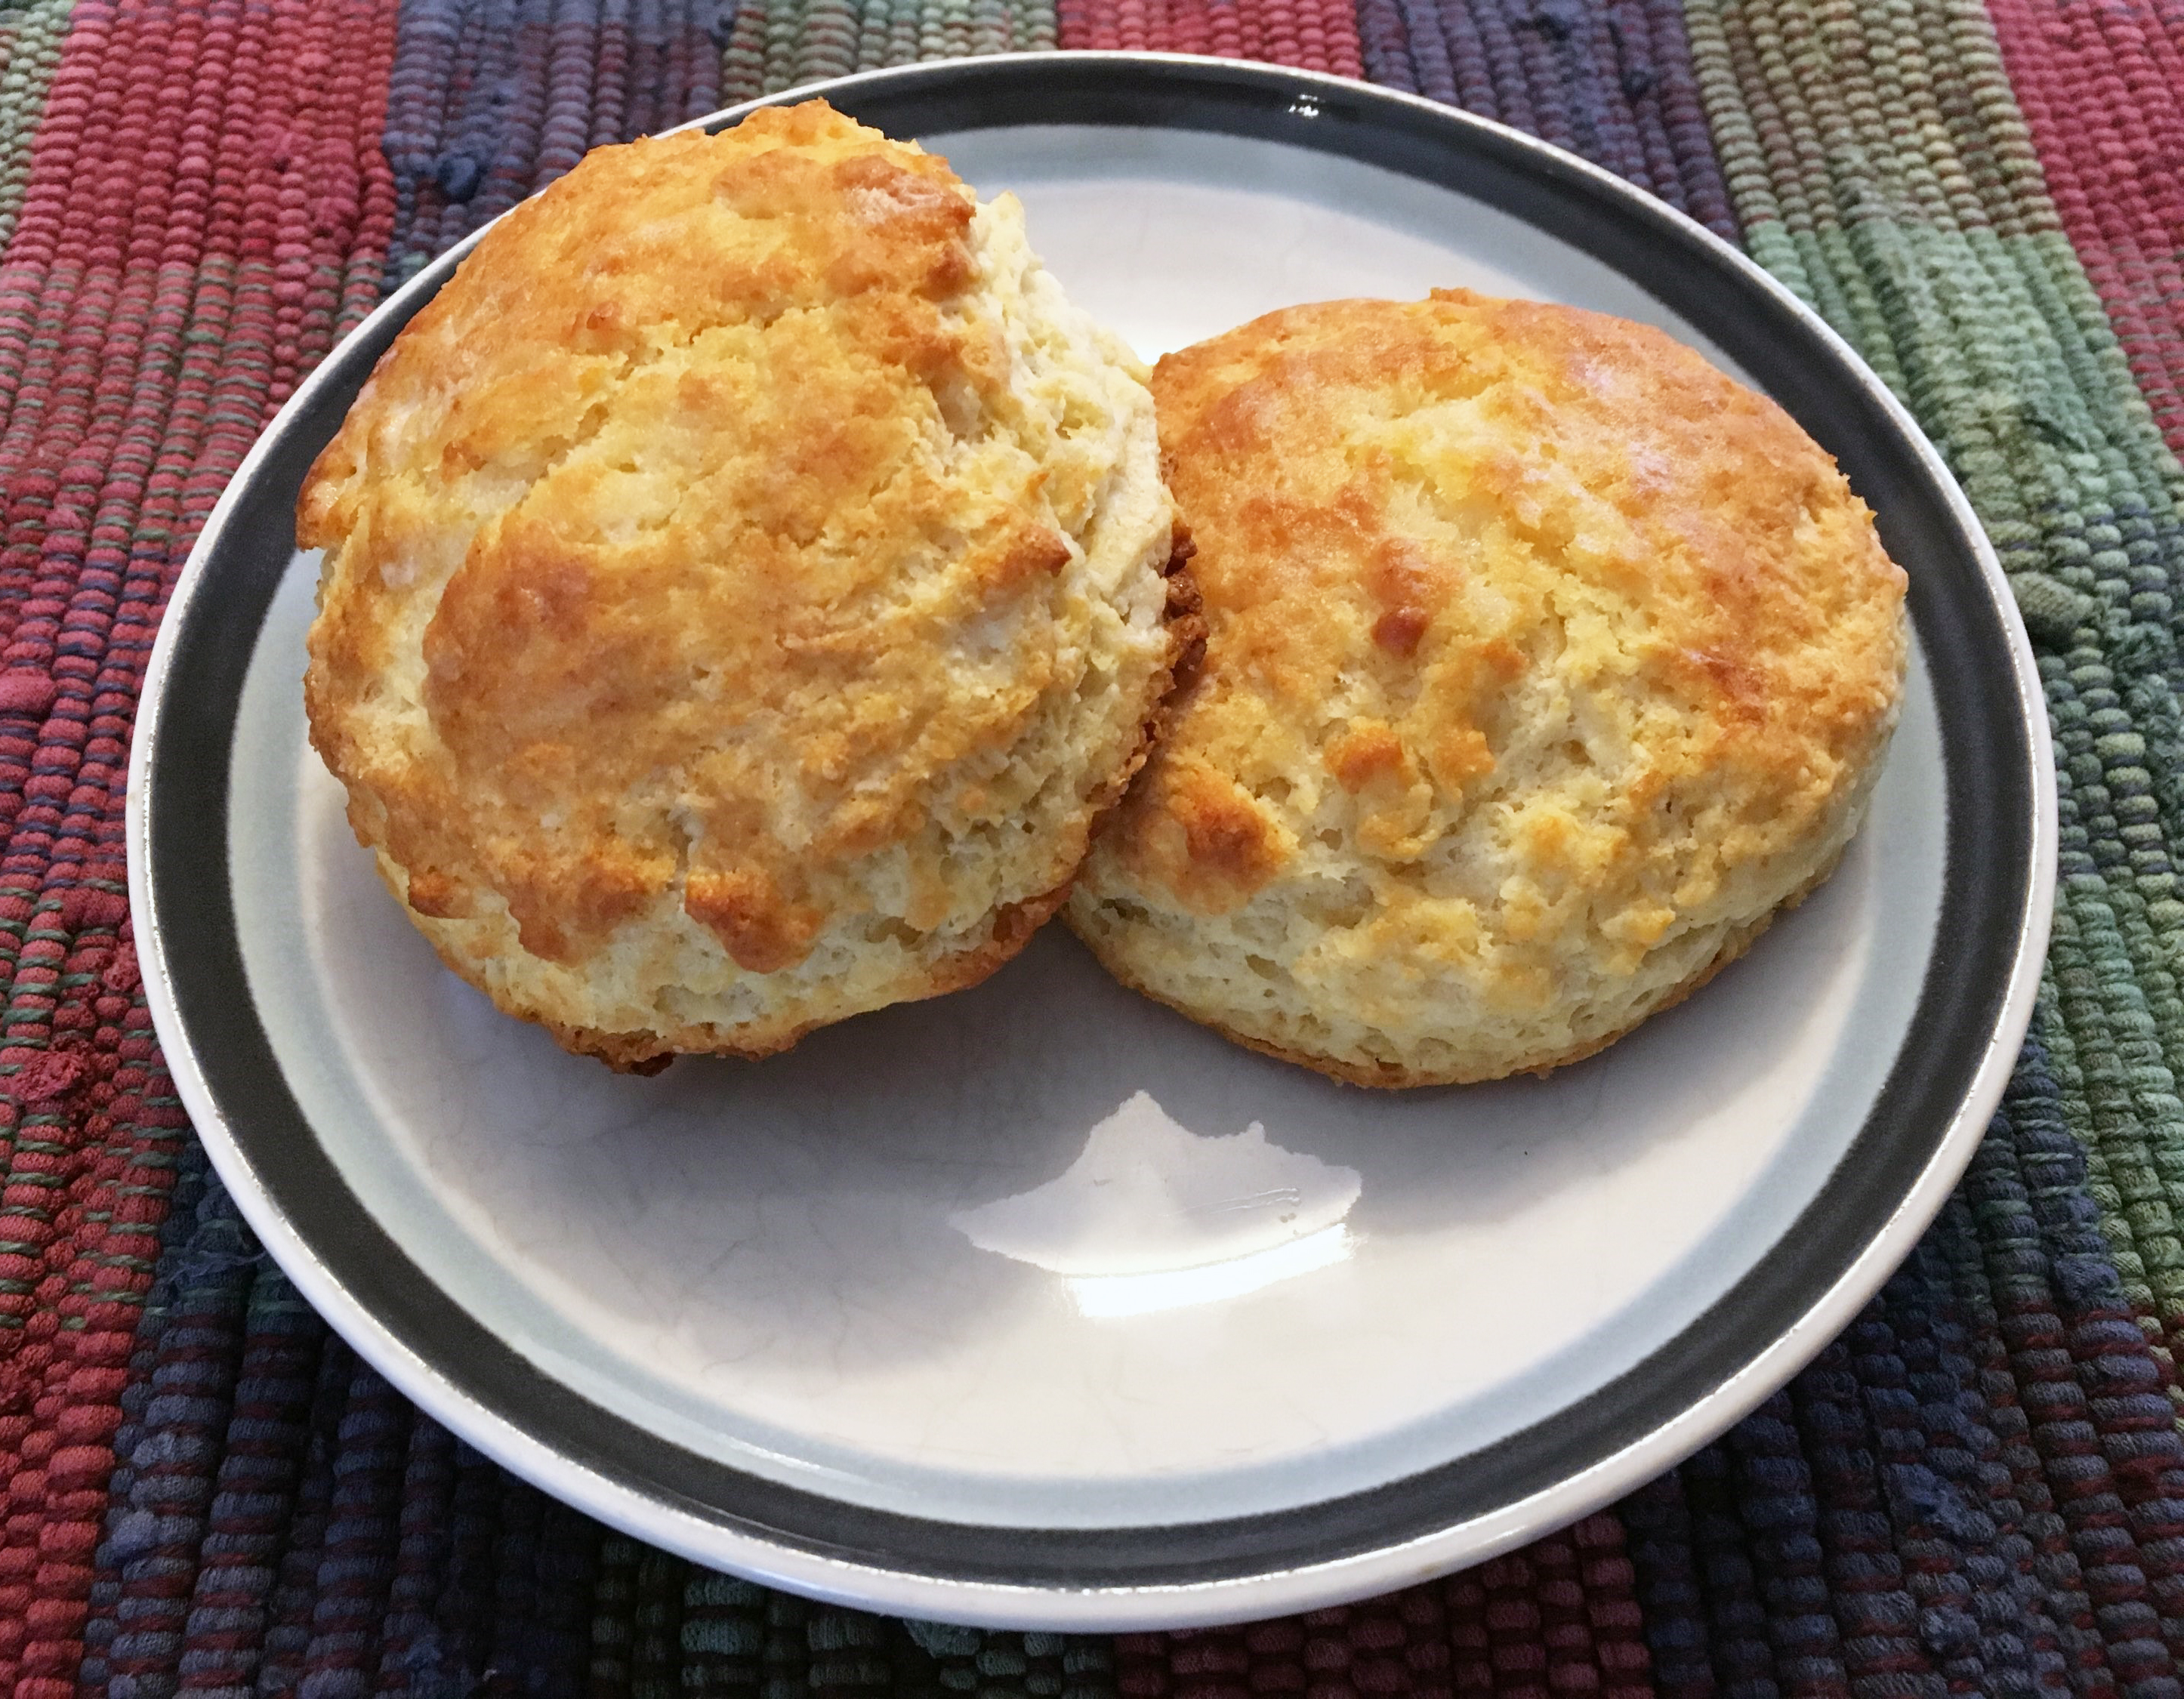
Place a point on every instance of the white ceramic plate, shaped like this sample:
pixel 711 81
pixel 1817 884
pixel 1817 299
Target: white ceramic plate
pixel 1037 1304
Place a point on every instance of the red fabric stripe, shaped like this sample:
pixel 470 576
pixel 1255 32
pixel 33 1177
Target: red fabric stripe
pixel 2101 86
pixel 1311 34
pixel 1560 1617
pixel 202 185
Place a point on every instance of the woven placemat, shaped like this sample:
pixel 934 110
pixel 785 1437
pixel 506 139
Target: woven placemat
pixel 1979 1488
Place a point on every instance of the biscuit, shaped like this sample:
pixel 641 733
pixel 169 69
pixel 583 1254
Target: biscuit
pixel 745 585
pixel 1544 663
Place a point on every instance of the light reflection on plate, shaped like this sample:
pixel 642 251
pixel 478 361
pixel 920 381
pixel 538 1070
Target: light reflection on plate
pixel 1111 1295
pixel 1153 1217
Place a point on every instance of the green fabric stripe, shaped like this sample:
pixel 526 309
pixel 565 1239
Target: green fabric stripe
pixel 1921 228
pixel 778 44
pixel 31 37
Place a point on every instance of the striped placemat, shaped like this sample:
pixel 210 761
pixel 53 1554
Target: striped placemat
pixel 1979 1488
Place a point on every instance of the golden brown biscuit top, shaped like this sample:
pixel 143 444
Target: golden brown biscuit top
pixel 693 468
pixel 1419 526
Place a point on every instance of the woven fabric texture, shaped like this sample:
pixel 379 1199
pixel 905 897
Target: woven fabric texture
pixel 1978 1490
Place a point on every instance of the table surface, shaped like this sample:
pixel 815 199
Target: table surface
pixel 1979 1488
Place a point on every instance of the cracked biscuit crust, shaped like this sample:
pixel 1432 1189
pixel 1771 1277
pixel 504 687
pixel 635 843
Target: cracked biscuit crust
pixel 1544 663
pixel 745 585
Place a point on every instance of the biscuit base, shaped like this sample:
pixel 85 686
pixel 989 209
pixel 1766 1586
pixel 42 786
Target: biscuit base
pixel 646 1052
pixel 1389 1076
